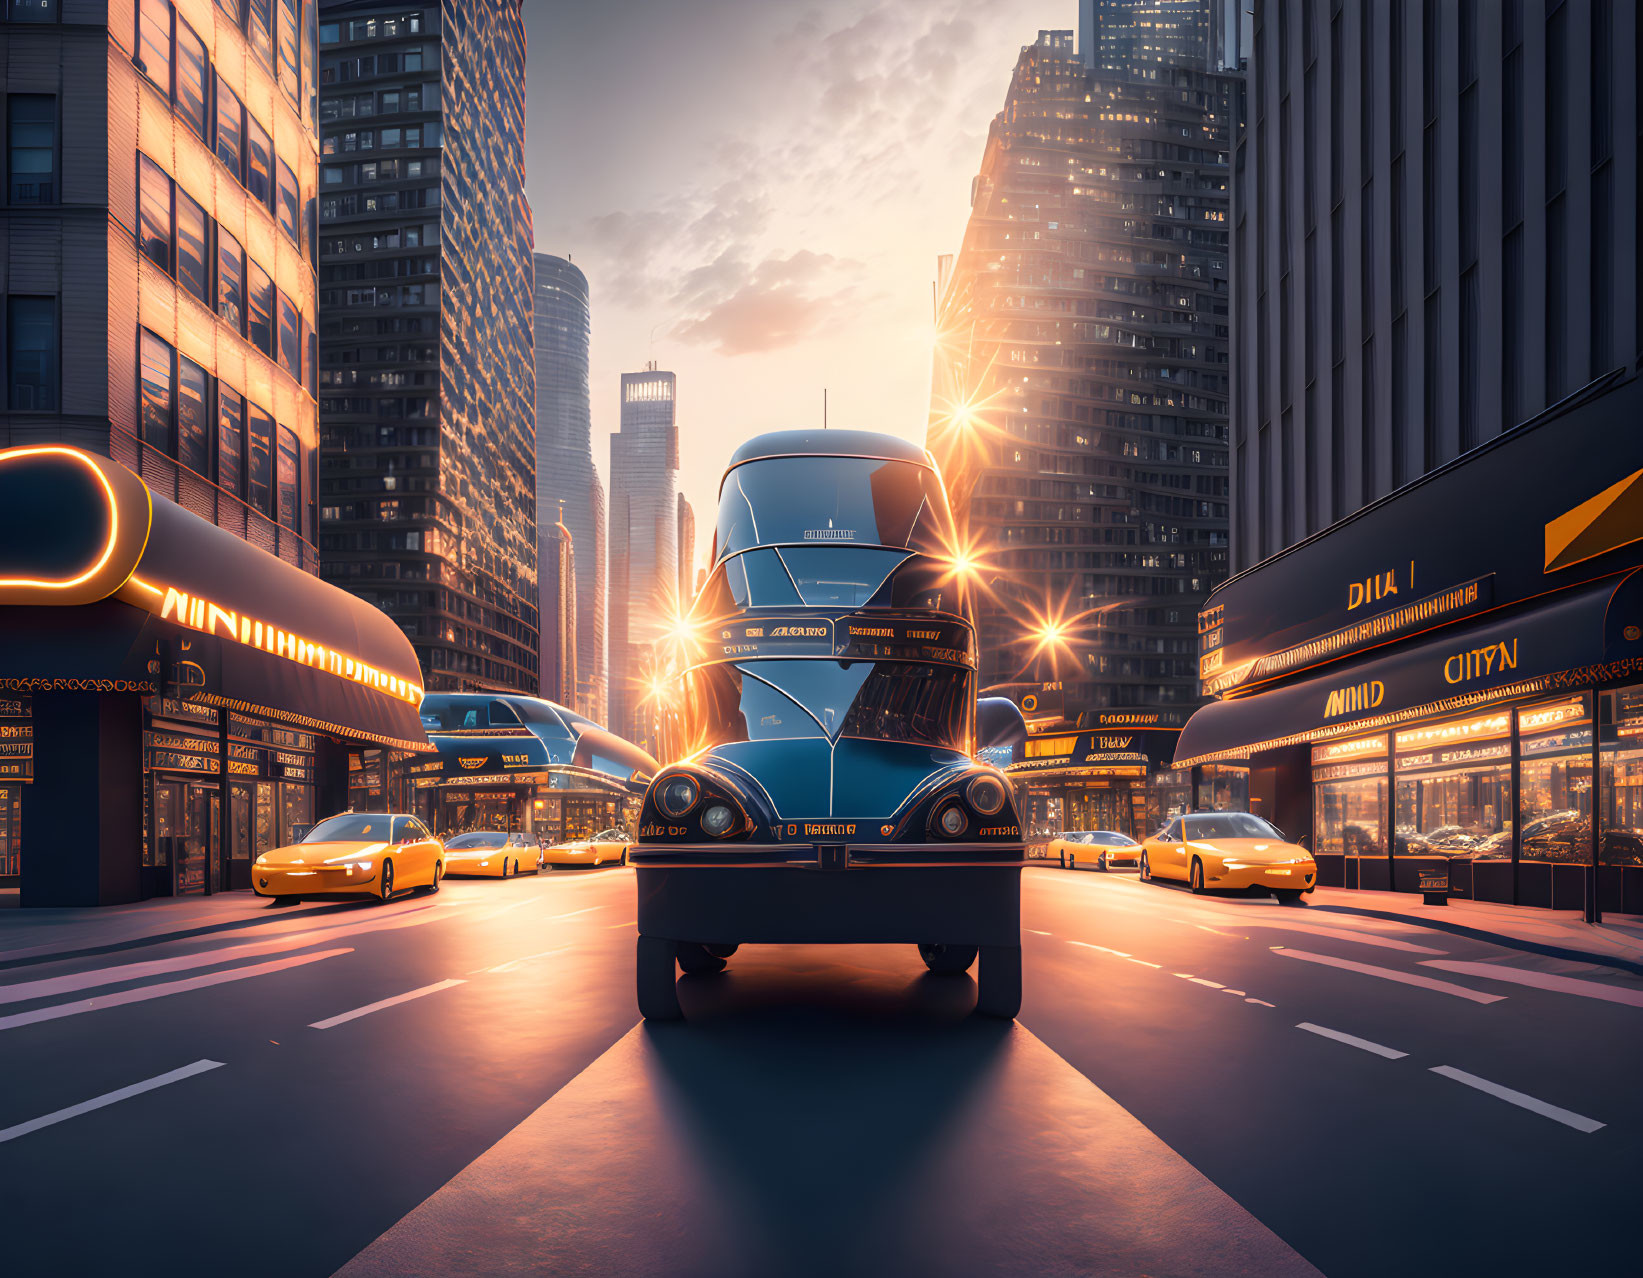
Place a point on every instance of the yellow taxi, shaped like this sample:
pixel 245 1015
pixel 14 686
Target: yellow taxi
pixel 496 854
pixel 607 845
pixel 1105 849
pixel 1224 850
pixel 377 853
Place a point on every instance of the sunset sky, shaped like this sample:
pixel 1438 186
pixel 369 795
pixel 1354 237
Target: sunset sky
pixel 757 191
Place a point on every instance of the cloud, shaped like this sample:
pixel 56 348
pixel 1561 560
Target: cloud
pixel 778 303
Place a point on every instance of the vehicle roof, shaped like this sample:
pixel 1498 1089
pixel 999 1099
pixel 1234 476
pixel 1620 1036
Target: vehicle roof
pixel 828 443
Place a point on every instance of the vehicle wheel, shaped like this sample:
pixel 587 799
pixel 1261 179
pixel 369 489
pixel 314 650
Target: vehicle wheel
pixel 439 870
pixel 1072 863
pixel 698 960
pixel 624 856
pixel 947 958
pixel 656 980
pixel 1287 896
pixel 721 951
pixel 1145 871
pixel 1101 863
pixel 386 888
pixel 998 986
pixel 1197 880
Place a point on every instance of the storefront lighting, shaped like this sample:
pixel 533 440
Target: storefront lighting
pixel 1493 725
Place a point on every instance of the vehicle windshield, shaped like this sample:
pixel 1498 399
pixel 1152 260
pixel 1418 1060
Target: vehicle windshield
pixel 836 501
pixel 350 827
pixel 478 839
pixel 1227 825
pixel 1105 838
pixel 774 700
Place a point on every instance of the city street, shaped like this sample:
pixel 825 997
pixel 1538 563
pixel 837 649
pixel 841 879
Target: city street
pixel 459 1084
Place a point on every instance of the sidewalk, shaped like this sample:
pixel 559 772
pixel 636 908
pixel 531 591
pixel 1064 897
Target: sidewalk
pixel 39 935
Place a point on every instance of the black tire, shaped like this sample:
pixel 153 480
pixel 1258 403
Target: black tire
pixel 998 985
pixel 1196 879
pixel 439 870
pixel 1288 896
pixel 1101 863
pixel 1145 870
pixel 656 980
pixel 721 951
pixel 385 886
pixel 947 958
pixel 697 960
pixel 1072 863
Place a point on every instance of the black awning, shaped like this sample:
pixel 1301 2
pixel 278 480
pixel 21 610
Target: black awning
pixel 1573 640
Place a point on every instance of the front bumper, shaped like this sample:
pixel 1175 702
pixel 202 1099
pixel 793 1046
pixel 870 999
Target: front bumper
pixel 957 894
pixel 576 856
pixel 1303 876
pixel 280 880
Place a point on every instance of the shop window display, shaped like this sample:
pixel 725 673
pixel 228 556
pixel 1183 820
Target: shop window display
pixel 1349 796
pixel 1452 805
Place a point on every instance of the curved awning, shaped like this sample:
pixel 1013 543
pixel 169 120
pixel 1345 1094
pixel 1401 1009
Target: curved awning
pixel 217 620
pixel 1572 640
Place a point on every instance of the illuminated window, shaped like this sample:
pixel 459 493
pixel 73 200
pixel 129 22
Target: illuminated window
pixel 230 280
pixel 289 77
pixel 157 392
pixel 230 439
pixel 191 82
pixel 259 325
pixel 154 42
pixel 193 417
pixel 259 474
pixel 259 160
pixel 31 148
pixel 31 354
pixel 260 30
pixel 154 214
pixel 290 204
pixel 290 506
pixel 230 130
pixel 289 338
pixel 193 266
pixel 31 10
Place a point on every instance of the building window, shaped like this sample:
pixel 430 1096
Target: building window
pixel 154 213
pixel 157 393
pixel 31 10
pixel 193 264
pixel 154 42
pixel 230 280
pixel 230 439
pixel 230 130
pixel 290 338
pixel 260 309
pixel 290 205
pixel 191 81
pixel 260 30
pixel 31 354
pixel 289 75
pixel 32 148
pixel 193 417
pixel 259 443
pixel 259 161
pixel 235 9
pixel 290 508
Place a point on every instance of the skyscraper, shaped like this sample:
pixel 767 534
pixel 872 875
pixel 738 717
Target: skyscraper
pixel 429 508
pixel 556 566
pixel 565 473
pixel 687 552
pixel 644 537
pixel 1079 408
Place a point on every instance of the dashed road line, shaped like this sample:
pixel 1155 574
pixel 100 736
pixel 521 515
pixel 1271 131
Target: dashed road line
pixel 1144 963
pixel 1352 1040
pixel 1390 974
pixel 1105 949
pixel 1214 985
pixel 1542 981
pixel 1261 1001
pixel 514 964
pixel 342 1017
pixel 108 1098
pixel 1521 1099
pixel 554 918
pixel 1035 931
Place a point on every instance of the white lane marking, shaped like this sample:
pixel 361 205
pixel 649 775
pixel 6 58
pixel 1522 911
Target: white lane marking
pixel 1390 974
pixel 60 1010
pixel 1343 934
pixel 1352 1040
pixel 630 923
pixel 1555 1112
pixel 341 1017
pixel 1214 985
pixel 107 1098
pixel 512 964
pixel 556 917
pixel 1239 993
pixel 1035 931
pixel 1261 1001
pixel 1103 948
pixel 1218 932
pixel 1144 963
pixel 1542 981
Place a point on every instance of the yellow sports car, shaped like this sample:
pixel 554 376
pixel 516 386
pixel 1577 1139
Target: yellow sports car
pixel 378 853
pixel 1219 850
pixel 1104 849
pixel 607 845
pixel 493 853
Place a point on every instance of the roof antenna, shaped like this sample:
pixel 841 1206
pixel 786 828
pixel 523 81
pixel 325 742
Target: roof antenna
pixel 824 408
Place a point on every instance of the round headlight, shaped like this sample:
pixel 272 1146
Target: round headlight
pixel 953 822
pixel 677 796
pixel 986 795
pixel 718 819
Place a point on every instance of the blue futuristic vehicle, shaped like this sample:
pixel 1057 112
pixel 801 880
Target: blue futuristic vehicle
pixel 831 791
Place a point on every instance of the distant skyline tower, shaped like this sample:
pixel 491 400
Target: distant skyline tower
pixel 556 566
pixel 427 383
pixel 644 536
pixel 566 478
pixel 687 552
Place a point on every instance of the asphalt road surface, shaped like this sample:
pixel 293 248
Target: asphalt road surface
pixel 459 1084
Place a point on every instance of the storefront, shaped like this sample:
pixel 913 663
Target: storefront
pixel 510 762
pixel 1103 778
pixel 1427 690
pixel 173 700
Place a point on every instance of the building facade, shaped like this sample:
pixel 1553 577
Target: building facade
pixel 565 474
pixel 428 381
pixel 687 553
pixel 1434 238
pixel 556 568
pixel 1079 410
pixel 1429 662
pixel 644 542
pixel 159 280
